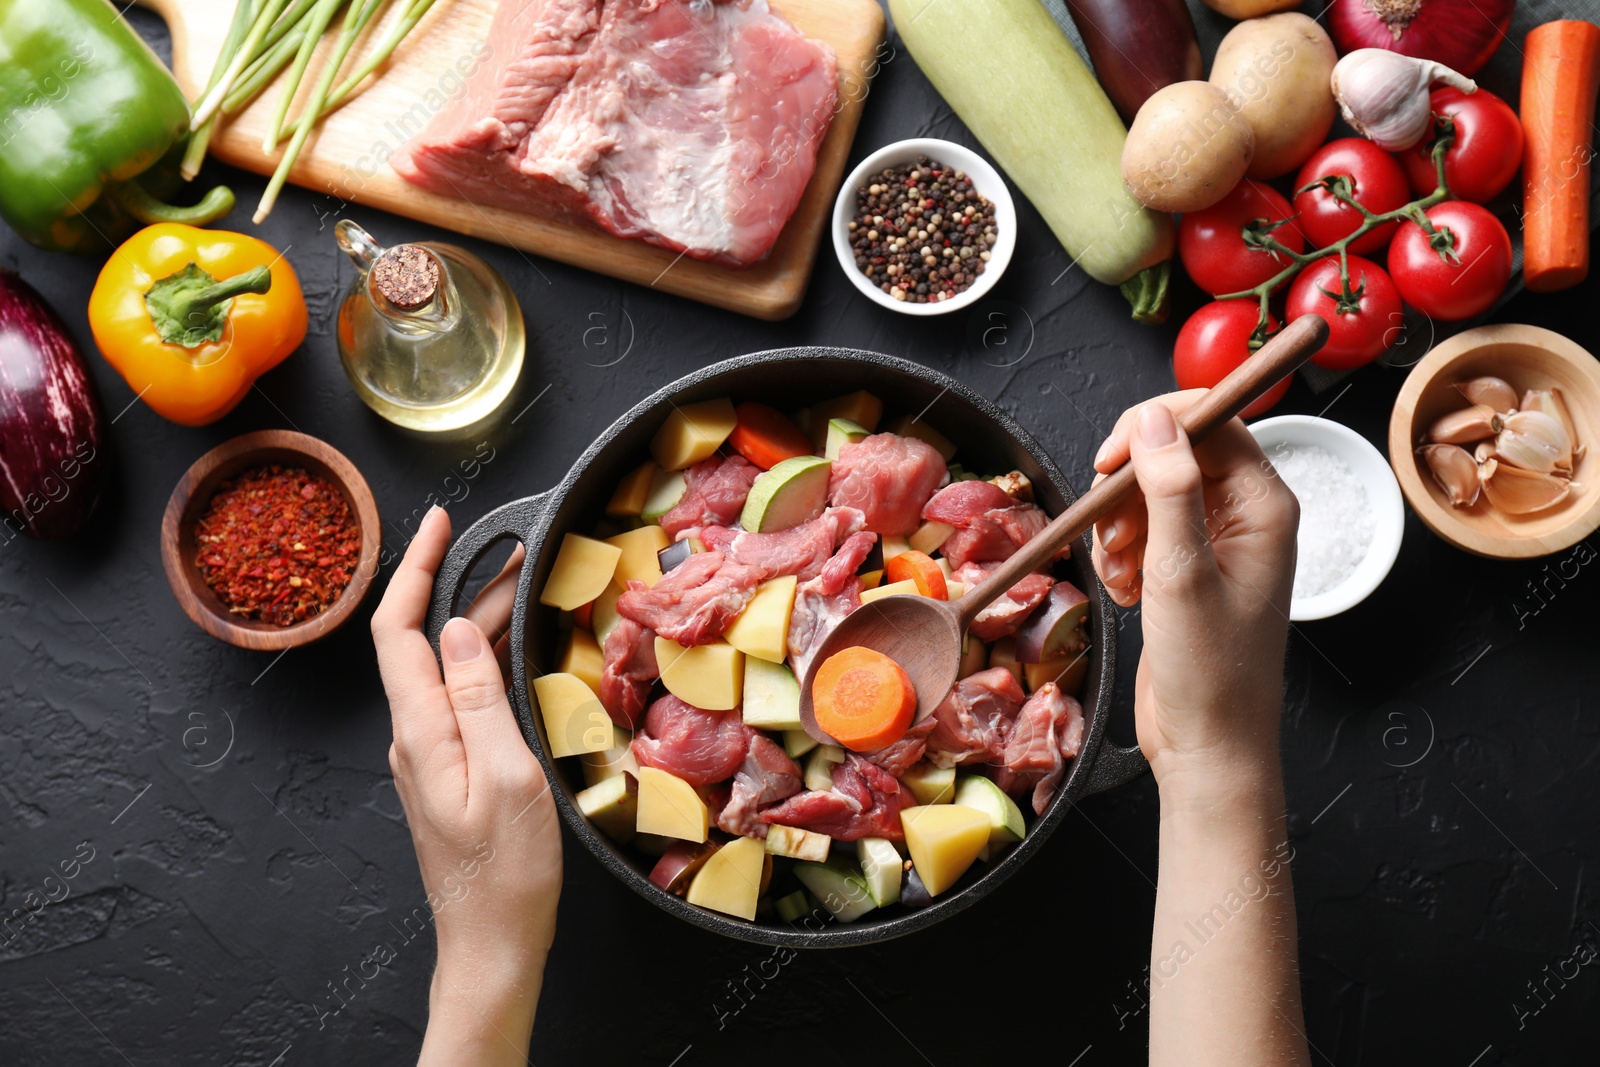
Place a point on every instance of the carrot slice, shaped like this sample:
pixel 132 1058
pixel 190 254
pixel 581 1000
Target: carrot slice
pixel 766 436
pixel 862 699
pixel 1560 74
pixel 918 567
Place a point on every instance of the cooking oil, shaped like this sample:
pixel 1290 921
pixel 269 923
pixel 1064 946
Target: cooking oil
pixel 430 335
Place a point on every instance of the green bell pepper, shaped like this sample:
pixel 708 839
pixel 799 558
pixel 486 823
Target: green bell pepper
pixel 92 128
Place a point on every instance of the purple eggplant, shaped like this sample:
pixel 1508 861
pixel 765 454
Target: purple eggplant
pixel 1137 47
pixel 51 422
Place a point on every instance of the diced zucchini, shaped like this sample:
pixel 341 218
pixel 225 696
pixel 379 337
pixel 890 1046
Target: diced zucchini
pixel 796 742
pixel 666 489
pixel 798 844
pixel 842 432
pixel 842 890
pixel 771 696
pixel 881 867
pixel 793 907
pixel 819 769
pixel 930 535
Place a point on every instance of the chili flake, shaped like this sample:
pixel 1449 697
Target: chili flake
pixel 277 544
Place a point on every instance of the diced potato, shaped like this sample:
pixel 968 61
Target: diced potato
pixel 604 614
pixel 796 742
pixel 581 572
pixel 818 773
pixel 930 535
pixel 762 628
pixel 771 699
pixel 613 805
pixel 894 545
pixel 833 753
pixel 930 784
pixel 954 590
pixel 580 655
pixel 669 807
pixel 628 500
pixel 1068 672
pixel 730 881
pixel 871 580
pixel 574 720
pixel 974 656
pixel 911 426
pixel 1003 653
pixel 710 677
pixel 638 561
pixel 798 844
pixel 598 766
pixel 861 408
pixel 892 589
pixel 944 840
pixel 692 432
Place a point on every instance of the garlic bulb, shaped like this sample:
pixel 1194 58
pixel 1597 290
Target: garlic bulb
pixel 1384 94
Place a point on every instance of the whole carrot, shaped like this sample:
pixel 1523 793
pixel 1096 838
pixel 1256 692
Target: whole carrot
pixel 1560 75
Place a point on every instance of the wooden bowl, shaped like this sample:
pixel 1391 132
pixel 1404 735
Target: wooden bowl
pixel 193 494
pixel 1528 357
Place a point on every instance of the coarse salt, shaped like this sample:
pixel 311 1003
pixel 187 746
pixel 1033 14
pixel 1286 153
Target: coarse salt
pixel 1336 522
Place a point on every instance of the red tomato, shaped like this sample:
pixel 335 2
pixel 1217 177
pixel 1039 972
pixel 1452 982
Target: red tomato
pixel 1211 242
pixel 1356 336
pixel 1215 340
pixel 1485 156
pixel 1377 183
pixel 1469 278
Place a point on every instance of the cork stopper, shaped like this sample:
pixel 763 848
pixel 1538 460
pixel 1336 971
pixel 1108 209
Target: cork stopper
pixel 407 276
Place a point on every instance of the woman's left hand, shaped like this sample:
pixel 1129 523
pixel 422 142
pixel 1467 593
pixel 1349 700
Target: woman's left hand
pixel 480 810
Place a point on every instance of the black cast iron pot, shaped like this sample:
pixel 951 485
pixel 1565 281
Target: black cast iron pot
pixel 988 440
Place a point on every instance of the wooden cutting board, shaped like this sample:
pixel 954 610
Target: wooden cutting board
pixel 347 158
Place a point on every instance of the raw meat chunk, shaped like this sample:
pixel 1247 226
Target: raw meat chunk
pixel 990 525
pixel 630 669
pixel 713 495
pixel 1047 733
pixel 690 124
pixel 1004 615
pixel 889 478
pixel 766 776
pixel 701 747
pixel 974 720
pixel 865 801
pixel 820 603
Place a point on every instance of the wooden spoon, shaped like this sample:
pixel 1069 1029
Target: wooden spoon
pixel 923 635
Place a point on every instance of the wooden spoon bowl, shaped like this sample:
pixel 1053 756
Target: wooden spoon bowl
pixel 193 494
pixel 1528 357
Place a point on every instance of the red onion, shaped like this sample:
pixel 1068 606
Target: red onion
pixel 50 421
pixel 1461 34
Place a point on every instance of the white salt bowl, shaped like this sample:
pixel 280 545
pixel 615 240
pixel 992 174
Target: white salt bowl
pixel 985 179
pixel 1383 497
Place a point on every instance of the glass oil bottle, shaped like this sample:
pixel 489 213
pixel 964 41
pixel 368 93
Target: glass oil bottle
pixel 430 335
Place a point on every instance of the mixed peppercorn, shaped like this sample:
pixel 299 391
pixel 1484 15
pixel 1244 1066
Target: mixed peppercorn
pixel 921 232
pixel 277 544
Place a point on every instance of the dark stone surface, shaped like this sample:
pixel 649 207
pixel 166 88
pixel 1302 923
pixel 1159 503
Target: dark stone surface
pixel 248 848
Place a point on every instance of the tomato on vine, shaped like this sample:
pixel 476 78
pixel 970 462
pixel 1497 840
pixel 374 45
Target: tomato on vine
pixel 1367 174
pixel 1459 271
pixel 1485 156
pixel 1215 340
pixel 1214 247
pixel 1360 324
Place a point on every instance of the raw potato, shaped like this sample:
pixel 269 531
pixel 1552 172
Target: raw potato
pixel 669 807
pixel 1250 9
pixel 709 677
pixel 574 720
pixel 1188 147
pixel 1278 71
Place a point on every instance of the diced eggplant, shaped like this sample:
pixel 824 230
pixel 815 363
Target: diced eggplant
pixel 1055 629
pixel 680 863
pixel 674 554
pixel 913 894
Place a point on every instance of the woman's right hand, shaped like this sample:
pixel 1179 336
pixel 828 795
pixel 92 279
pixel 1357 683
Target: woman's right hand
pixel 1208 546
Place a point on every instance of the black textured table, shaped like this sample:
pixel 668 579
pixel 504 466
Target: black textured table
pixel 249 853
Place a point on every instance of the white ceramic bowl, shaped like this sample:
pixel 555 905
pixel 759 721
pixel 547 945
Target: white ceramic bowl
pixel 985 179
pixel 1383 496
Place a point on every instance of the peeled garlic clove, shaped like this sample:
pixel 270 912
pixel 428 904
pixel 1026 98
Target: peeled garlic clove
pixel 1453 468
pixel 1552 403
pixel 1491 392
pixel 1465 426
pixel 1516 491
pixel 1534 441
pixel 1384 94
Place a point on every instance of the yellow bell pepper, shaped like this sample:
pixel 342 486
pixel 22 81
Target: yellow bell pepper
pixel 190 317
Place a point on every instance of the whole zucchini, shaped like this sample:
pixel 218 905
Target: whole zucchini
pixel 1012 76
pixel 50 420
pixel 1137 47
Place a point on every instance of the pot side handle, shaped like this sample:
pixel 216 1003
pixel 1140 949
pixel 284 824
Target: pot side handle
pixel 514 519
pixel 1114 766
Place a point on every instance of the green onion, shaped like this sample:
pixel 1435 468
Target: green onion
pixel 213 98
pixel 321 15
pixel 379 56
pixel 195 151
